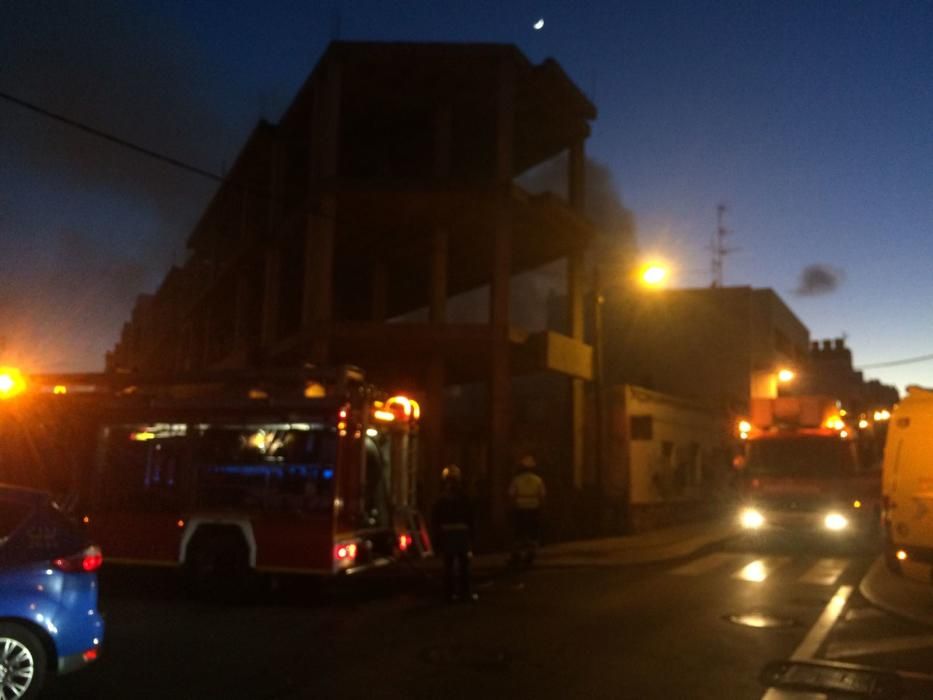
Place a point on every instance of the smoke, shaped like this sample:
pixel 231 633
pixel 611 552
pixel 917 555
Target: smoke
pixel 817 279
pixel 615 224
pixel 51 311
pixel 86 225
pixel 614 242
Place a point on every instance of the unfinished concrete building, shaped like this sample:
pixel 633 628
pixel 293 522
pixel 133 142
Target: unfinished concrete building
pixel 388 187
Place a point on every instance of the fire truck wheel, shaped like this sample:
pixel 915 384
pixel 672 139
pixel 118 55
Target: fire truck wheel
pixel 217 564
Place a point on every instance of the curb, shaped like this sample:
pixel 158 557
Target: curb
pixel 637 553
pixel 613 552
pixel 897 595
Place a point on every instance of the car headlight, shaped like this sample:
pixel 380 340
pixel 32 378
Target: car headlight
pixel 751 519
pixel 835 521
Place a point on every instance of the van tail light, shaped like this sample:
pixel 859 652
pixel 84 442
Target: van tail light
pixel 85 561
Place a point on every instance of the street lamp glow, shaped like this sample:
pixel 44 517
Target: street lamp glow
pixel 653 275
pixel 751 519
pixel 786 375
pixel 12 382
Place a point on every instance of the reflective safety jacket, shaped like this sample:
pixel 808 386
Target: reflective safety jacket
pixel 527 490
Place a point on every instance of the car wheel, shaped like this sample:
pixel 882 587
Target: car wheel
pixel 23 663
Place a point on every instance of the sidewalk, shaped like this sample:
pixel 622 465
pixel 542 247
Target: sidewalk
pixel 898 595
pixel 643 548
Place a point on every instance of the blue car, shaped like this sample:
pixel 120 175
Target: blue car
pixel 49 621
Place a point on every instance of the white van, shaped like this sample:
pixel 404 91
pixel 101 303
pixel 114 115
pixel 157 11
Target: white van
pixel 907 486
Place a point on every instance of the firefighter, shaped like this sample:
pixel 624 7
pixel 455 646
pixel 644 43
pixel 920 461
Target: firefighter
pixel 452 522
pixel 526 496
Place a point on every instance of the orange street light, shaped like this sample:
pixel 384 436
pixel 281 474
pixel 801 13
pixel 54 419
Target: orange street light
pixel 786 375
pixel 653 275
pixel 12 382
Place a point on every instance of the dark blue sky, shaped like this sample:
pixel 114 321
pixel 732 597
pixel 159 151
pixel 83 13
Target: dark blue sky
pixel 810 120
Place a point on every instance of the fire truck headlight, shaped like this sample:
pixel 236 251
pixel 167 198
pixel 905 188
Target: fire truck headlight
pixel 835 521
pixel 751 519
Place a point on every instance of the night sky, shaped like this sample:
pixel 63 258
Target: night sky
pixel 812 121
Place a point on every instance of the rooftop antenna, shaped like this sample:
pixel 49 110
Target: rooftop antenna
pixel 720 251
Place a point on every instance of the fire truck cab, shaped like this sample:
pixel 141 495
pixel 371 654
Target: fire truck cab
pixel 801 469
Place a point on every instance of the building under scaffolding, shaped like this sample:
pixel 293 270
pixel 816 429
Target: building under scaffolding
pixel 388 187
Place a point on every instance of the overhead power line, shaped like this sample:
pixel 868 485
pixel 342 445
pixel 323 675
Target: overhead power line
pixel 111 138
pixel 897 363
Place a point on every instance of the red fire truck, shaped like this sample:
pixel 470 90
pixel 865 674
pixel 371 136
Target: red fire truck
pixel 803 466
pixel 313 472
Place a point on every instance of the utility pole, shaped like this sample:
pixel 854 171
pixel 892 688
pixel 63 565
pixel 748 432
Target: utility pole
pixel 720 251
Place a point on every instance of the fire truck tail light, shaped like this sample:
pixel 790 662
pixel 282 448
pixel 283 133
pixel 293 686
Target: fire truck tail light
pixel 345 552
pixel 85 561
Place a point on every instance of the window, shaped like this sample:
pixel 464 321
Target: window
pixel 801 456
pixel 265 467
pixel 12 515
pixel 375 491
pixel 144 469
pixel 642 427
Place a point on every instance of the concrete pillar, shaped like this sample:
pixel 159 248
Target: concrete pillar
pixel 576 177
pixel 317 308
pixel 575 317
pixel 317 299
pixel 434 424
pixel 443 128
pixel 576 189
pixel 500 379
pixel 500 385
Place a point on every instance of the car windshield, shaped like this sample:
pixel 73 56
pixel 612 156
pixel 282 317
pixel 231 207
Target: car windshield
pixel 435 348
pixel 817 457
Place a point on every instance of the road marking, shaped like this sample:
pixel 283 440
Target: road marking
pixel 778 694
pixel 704 564
pixel 863 614
pixel 825 572
pixel 760 569
pixel 841 650
pixel 818 633
pixel 811 644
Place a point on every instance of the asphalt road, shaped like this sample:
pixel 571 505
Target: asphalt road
pixel 648 631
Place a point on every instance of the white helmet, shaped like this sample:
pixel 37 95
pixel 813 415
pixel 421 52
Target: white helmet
pixel 527 462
